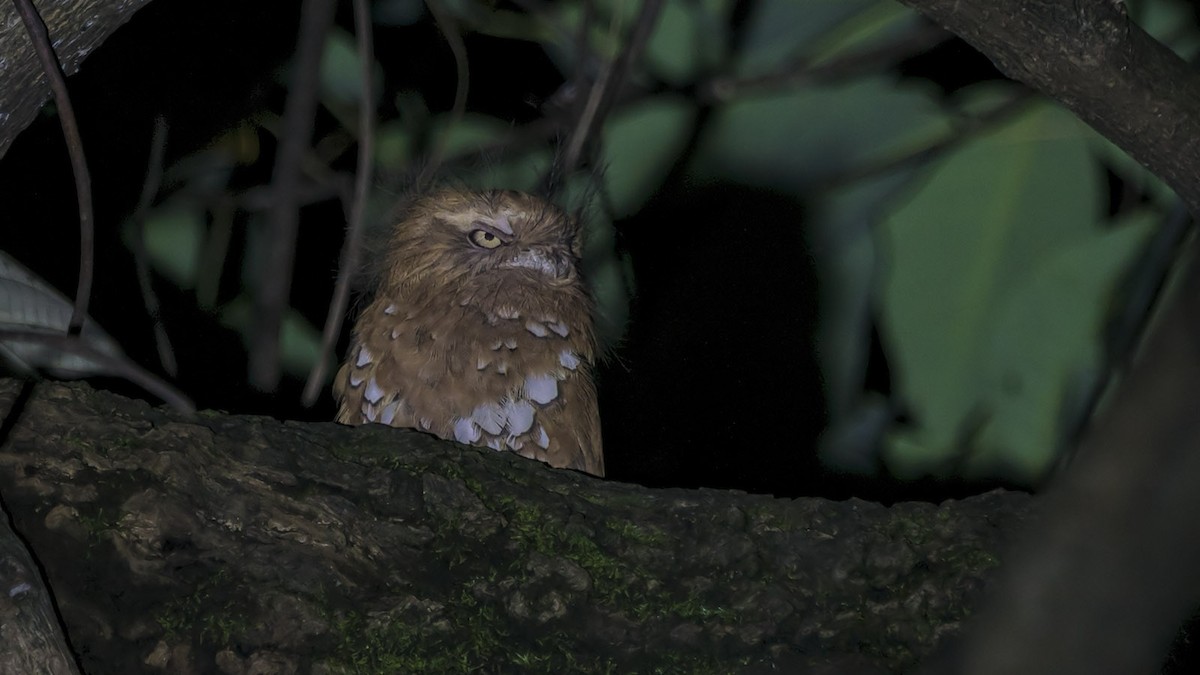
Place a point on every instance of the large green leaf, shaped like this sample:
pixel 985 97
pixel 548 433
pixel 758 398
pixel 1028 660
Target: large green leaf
pixel 690 38
pixel 472 136
pixel 340 69
pixel 641 143
pixel 999 277
pixel 174 234
pixel 397 12
pixel 299 340
pixel 781 30
pixel 790 139
pixel 1172 22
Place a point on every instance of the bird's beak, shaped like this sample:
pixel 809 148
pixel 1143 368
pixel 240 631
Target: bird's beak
pixel 551 262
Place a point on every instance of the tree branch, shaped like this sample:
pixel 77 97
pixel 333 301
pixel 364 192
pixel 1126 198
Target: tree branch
pixel 1088 55
pixel 1103 581
pixel 78 27
pixel 214 539
pixel 273 291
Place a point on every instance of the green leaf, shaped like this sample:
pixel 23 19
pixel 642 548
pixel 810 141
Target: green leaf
pixel 393 145
pixel 340 80
pixel 469 133
pixel 879 20
pixel 690 35
pixel 173 236
pixel 299 341
pixel 689 38
pixel 847 263
pixel 487 18
pixel 475 134
pixel 641 144
pixel 1047 334
pixel 299 344
pixel 397 12
pixel 1136 175
pixel 604 35
pixel 789 139
pixel 779 29
pixel 999 277
pixel 1171 22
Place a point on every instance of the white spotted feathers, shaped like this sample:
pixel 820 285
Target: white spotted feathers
pixel 480 332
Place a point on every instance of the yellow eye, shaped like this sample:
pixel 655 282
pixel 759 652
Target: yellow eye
pixel 484 239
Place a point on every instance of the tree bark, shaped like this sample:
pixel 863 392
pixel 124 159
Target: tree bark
pixel 217 543
pixel 1090 57
pixel 1101 583
pixel 238 545
pixel 33 643
pixel 76 27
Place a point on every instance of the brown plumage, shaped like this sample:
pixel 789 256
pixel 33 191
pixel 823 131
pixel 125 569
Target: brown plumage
pixel 480 331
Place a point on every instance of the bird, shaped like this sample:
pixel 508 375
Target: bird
pixel 480 330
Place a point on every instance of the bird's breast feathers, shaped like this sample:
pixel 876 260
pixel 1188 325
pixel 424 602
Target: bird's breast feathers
pixel 505 379
pixel 480 330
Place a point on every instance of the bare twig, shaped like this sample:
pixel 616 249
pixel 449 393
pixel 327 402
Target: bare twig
pixel 605 92
pixel 275 272
pixel 802 70
pixel 119 366
pixel 591 108
pixel 462 85
pixel 1142 288
pixel 963 132
pixel 35 634
pixel 720 89
pixel 154 173
pixel 1116 78
pixel 83 181
pixel 362 179
pixel 214 252
pixel 542 11
pixel 1113 551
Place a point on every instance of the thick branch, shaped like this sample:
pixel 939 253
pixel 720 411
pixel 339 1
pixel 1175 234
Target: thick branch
pixel 77 27
pixel 1103 581
pixel 31 641
pixel 1090 57
pixel 178 544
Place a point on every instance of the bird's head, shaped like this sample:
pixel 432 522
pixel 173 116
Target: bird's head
pixel 478 244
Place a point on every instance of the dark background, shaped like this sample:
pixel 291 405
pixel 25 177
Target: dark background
pixel 715 382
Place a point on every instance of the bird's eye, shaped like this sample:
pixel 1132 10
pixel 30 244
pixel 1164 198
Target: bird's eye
pixel 484 239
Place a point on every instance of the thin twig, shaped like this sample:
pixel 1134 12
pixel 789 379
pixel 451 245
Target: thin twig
pixel 154 174
pixel 1142 289
pixel 542 11
pixel 608 87
pixel 119 366
pixel 279 245
pixel 83 181
pixel 215 251
pixel 968 129
pixel 362 180
pixel 445 23
pixel 591 107
pixel 802 70
pixel 718 90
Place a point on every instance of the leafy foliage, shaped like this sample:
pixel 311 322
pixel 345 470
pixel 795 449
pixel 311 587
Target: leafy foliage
pixel 966 224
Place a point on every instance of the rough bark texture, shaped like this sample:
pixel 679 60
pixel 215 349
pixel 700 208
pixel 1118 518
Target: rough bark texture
pixel 1102 582
pixel 76 28
pixel 1088 56
pixel 1104 579
pixel 238 545
pixel 242 544
pixel 32 640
